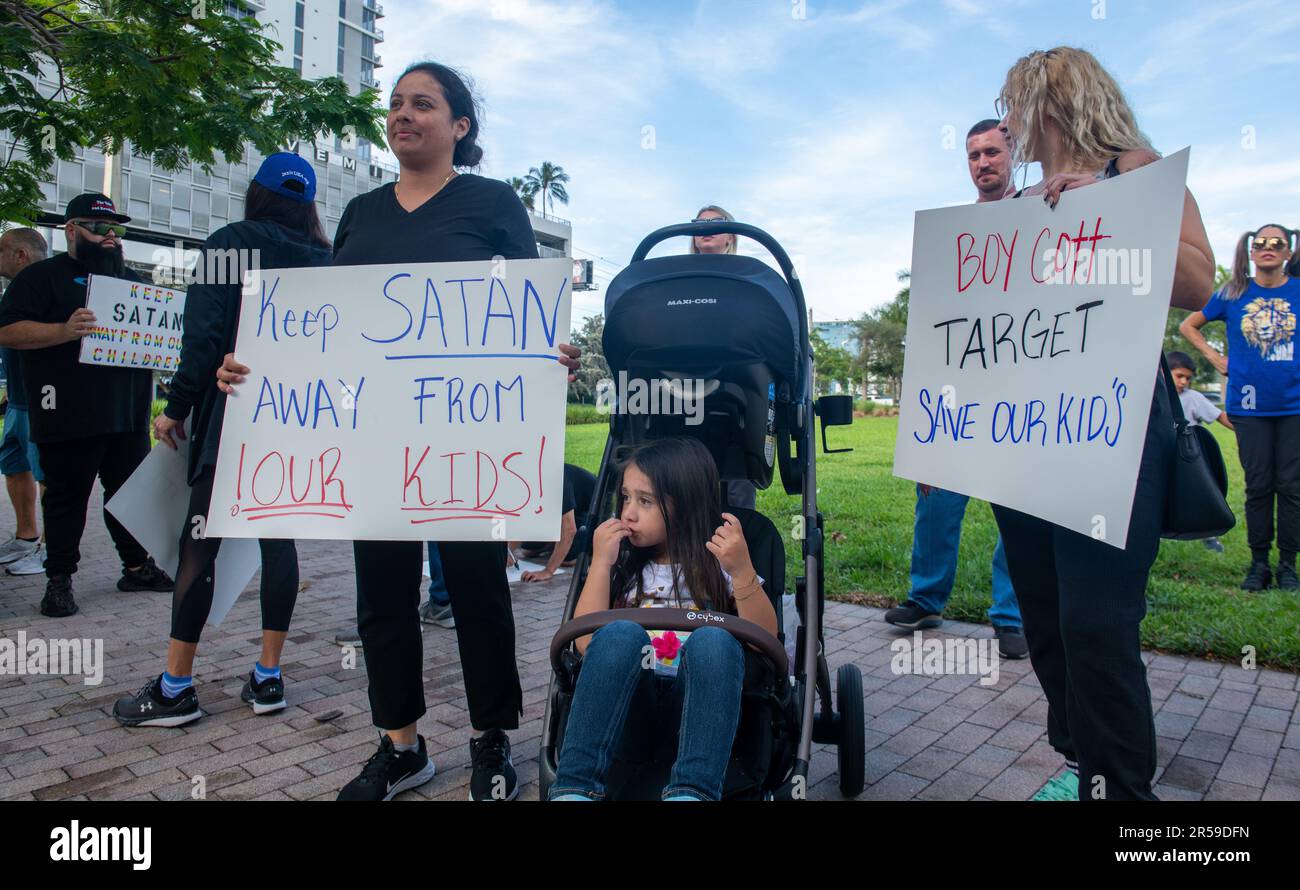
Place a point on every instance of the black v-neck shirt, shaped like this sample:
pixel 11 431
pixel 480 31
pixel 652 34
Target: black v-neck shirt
pixel 472 218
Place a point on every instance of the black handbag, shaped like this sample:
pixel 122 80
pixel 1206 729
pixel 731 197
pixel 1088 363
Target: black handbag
pixel 1196 505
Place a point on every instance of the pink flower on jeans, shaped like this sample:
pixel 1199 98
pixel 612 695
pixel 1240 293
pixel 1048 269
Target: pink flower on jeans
pixel 667 646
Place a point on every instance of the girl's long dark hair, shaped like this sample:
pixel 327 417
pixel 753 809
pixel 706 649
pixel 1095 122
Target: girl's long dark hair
pixel 297 216
pixel 685 481
pixel 1240 279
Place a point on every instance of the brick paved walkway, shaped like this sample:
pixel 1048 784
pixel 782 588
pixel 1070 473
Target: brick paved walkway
pixel 1224 732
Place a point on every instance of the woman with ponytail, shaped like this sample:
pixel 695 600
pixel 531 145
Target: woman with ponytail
pixel 1262 395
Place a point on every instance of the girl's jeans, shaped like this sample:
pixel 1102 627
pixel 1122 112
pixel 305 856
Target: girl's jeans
pixel 617 680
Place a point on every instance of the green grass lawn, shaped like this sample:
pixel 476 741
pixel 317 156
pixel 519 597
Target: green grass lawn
pixel 1195 607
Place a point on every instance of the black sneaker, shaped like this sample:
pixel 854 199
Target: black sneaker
pixel 147 577
pixel 494 773
pixel 389 772
pixel 1286 577
pixel 149 707
pixel 1258 577
pixel 913 617
pixel 265 697
pixel 58 601
pixel 1011 642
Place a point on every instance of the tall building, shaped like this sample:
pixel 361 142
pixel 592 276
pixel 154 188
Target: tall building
pixel 318 38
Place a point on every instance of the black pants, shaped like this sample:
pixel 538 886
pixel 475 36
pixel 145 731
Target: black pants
pixel 388 601
pixel 1083 602
pixel 195 577
pixel 1269 449
pixel 70 470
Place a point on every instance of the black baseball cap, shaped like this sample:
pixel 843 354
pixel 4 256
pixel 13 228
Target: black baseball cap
pixel 93 205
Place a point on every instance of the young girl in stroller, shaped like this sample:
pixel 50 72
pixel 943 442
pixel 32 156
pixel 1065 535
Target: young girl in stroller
pixel 670 546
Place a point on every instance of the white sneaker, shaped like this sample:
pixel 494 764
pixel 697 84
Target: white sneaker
pixel 15 549
pixel 32 564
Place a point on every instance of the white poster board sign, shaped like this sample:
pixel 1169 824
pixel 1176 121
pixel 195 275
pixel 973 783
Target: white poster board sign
pixel 398 402
pixel 137 325
pixel 1033 345
pixel 152 505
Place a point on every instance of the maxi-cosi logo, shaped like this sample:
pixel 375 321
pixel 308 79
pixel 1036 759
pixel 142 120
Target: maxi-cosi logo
pixel 37 656
pixel 90 844
pixel 694 302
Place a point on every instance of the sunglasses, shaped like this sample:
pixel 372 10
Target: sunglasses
pixel 103 228
pixel 700 219
pixel 1273 243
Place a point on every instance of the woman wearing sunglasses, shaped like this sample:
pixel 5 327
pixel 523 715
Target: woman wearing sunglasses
pixel 1083 600
pixel 1262 396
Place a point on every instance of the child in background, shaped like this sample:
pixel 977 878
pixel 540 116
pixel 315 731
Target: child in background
pixel 1196 408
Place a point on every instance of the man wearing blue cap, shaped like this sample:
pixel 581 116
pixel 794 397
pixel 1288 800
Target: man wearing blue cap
pixel 86 420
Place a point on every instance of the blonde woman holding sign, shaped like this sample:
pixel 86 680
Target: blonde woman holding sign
pixel 434 214
pixel 1083 600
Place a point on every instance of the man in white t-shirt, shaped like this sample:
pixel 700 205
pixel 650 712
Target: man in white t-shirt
pixel 1198 410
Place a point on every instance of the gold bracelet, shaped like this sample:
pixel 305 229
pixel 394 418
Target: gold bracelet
pixel 754 583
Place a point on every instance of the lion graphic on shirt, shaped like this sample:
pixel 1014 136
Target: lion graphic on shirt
pixel 1268 324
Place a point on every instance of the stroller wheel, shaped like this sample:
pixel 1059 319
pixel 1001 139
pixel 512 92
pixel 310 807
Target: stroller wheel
pixel 852 741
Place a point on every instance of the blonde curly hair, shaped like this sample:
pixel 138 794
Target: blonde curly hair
pixel 1069 86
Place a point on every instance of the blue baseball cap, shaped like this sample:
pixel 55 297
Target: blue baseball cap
pixel 287 174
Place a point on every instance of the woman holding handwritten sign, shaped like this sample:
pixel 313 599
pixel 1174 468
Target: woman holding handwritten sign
pixel 434 215
pixel 1083 600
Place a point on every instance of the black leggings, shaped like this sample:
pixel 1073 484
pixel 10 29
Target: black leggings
pixel 192 597
pixel 1269 448
pixel 388 600
pixel 1083 602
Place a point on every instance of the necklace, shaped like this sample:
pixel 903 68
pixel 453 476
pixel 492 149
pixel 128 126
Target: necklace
pixel 398 184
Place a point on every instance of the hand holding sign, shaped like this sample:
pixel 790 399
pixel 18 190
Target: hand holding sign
pixel 80 323
pixel 1032 352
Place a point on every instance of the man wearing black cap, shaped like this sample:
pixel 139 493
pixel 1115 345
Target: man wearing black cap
pixel 86 420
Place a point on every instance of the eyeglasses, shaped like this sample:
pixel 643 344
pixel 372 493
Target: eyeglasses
pixel 103 228
pixel 1273 243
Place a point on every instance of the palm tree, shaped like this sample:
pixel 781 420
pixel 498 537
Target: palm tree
pixel 524 189
pixel 549 180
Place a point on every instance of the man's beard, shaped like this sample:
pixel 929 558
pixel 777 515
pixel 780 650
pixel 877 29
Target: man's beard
pixel 100 260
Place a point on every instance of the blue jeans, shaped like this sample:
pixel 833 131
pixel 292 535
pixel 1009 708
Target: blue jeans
pixel 935 541
pixel 438 594
pixel 615 695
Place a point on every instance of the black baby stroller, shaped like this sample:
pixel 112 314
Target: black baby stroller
pixel 734 323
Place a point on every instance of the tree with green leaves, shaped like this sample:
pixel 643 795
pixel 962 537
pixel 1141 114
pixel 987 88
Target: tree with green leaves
pixel 881 333
pixel 526 191
pixel 831 364
pixel 548 181
pixel 590 339
pixel 1215 335
pixel 179 79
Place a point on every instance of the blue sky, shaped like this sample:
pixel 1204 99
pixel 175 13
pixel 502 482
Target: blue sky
pixel 830 123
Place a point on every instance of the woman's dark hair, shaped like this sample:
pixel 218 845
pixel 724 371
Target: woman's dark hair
pixel 461 100
pixel 261 203
pixel 1240 279
pixel 685 481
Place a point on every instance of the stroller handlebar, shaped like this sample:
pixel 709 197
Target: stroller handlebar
pixel 723 227
pixel 682 620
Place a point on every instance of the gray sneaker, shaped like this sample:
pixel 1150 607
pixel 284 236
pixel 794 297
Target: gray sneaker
pixel 350 637
pixel 439 615
pixel 31 564
pixel 15 549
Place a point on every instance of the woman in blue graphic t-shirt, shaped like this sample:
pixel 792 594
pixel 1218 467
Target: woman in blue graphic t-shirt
pixel 1263 392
